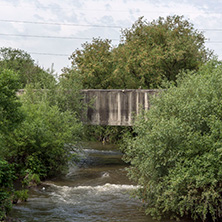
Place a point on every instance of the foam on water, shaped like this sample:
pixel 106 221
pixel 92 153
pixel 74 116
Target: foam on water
pixel 95 189
pixel 105 175
pixel 81 194
pixel 101 188
pixel 107 152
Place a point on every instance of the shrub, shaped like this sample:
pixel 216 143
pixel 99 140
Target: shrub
pixel 43 141
pixel 31 179
pixel 20 195
pixel 6 179
pixel 176 156
pixel 10 115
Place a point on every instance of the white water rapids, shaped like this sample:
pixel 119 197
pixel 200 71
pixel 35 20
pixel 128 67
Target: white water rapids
pixel 96 190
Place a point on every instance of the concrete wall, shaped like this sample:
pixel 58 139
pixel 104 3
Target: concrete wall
pixel 115 107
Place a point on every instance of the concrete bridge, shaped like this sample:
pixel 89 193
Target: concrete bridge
pixel 115 107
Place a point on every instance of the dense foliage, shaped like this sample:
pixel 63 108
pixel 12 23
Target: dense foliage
pixel 67 93
pixel 157 50
pixel 45 138
pixel 10 117
pixel 21 62
pixel 6 183
pixel 176 156
pixel 94 64
pixel 39 130
pixel 148 53
pixel 9 105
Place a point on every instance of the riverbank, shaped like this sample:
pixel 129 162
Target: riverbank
pixel 96 189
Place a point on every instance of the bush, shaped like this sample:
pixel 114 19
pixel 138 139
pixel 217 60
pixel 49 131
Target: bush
pixel 5 204
pixel 44 139
pixel 10 115
pixel 20 195
pixel 105 134
pixel 6 180
pixel 176 156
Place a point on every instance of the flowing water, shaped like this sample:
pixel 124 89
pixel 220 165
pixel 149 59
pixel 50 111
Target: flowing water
pixel 96 189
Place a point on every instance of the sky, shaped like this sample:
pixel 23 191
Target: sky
pixel 51 30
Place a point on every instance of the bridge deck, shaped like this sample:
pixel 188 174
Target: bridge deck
pixel 115 107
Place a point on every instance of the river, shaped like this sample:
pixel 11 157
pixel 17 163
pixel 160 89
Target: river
pixel 95 190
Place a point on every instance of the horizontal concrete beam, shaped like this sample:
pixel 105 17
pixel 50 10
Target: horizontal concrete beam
pixel 115 107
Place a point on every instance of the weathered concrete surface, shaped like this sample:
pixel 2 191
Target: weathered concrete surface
pixel 115 107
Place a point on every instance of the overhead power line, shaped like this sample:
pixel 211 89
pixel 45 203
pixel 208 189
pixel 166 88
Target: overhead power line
pixel 60 24
pixel 49 37
pixel 70 37
pixel 67 37
pixel 211 30
pixel 49 54
pixel 214 42
pixel 88 25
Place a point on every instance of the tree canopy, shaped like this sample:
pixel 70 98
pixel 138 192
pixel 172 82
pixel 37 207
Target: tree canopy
pixel 21 62
pixel 148 53
pixel 94 63
pixel 38 130
pixel 10 118
pixel 176 156
pixel 10 115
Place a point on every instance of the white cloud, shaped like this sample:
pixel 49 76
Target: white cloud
pixel 204 14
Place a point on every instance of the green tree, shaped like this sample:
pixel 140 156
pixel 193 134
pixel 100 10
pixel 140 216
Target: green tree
pixel 68 96
pixel 176 156
pixel 49 129
pixel 157 50
pixel 94 64
pixel 21 62
pixel 45 139
pixel 10 113
pixel 148 53
pixel 9 104
pixel 10 117
pixel 6 183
